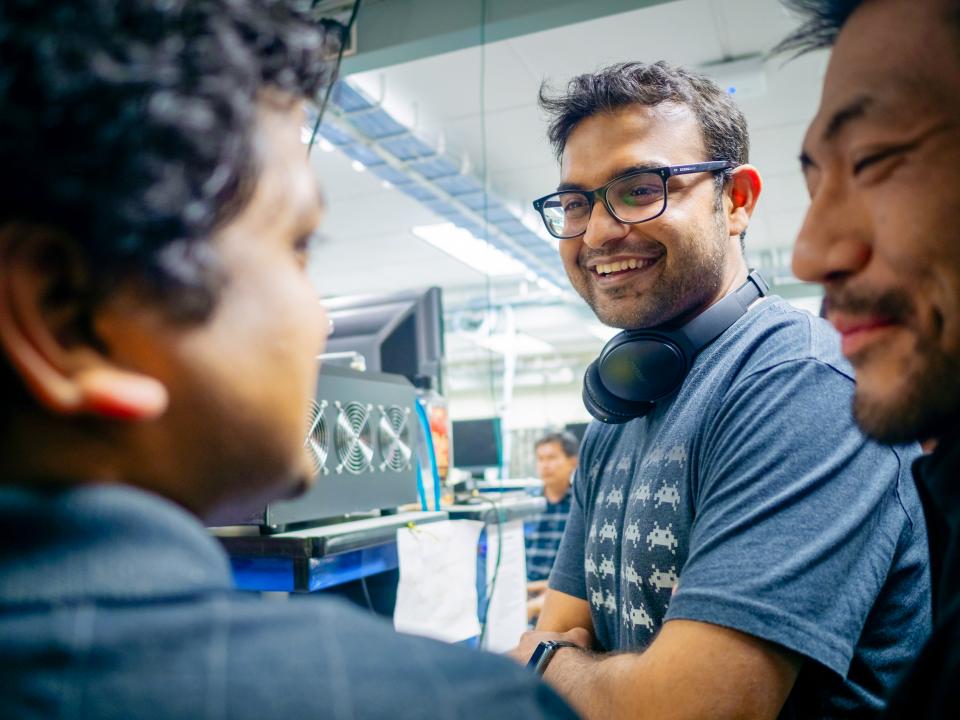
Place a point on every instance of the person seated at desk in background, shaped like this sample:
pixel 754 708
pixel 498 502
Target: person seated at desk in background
pixel 158 336
pixel 556 463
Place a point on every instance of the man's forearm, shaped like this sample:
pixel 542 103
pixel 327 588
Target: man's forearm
pixel 692 670
pixel 626 686
pixel 587 680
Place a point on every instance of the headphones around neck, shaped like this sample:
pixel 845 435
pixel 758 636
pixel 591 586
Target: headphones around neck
pixel 638 367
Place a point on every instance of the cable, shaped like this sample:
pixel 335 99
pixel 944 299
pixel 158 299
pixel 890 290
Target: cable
pixel 366 594
pixel 425 424
pixel 492 585
pixel 421 493
pixel 484 176
pixel 344 37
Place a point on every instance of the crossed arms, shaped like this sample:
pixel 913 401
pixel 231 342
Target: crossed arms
pixel 691 669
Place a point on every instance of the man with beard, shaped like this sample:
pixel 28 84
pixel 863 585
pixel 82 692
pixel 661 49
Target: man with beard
pixel 882 162
pixel 158 336
pixel 725 551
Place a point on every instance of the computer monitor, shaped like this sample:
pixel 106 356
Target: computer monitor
pixel 477 444
pixel 398 332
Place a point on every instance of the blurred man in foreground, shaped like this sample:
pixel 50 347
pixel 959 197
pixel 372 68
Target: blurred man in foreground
pixel 158 336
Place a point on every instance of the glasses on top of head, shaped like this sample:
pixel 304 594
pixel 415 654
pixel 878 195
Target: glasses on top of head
pixel 632 198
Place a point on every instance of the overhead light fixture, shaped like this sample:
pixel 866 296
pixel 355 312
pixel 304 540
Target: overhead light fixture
pixel 358 166
pixel 469 250
pixel 515 344
pixel 392 147
pixel 742 77
pixel 560 376
pixel 548 286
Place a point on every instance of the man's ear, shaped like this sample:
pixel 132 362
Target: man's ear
pixel 47 340
pixel 742 194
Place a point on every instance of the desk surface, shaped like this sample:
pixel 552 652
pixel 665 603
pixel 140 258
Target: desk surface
pixel 495 486
pixel 328 539
pixel 318 542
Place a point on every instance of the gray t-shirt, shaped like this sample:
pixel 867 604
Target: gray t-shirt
pixel 750 500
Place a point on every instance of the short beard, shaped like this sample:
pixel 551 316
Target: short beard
pixel 931 403
pixel 688 290
pixel 930 407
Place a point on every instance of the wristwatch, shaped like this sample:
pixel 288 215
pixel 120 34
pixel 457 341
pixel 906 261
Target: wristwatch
pixel 544 653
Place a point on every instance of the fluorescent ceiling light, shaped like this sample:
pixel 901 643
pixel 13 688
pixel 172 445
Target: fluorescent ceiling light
pixel 561 376
pixel 358 166
pixel 466 248
pixel 518 343
pixel 548 286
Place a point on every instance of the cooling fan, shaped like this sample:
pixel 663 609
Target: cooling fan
pixel 354 438
pixel 393 438
pixel 317 441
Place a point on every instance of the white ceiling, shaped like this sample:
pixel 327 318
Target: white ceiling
pixel 498 127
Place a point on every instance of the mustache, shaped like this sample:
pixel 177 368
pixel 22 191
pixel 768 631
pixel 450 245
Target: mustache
pixel 653 250
pixel 892 304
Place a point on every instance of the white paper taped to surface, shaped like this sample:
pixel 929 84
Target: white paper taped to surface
pixel 437 594
pixel 507 614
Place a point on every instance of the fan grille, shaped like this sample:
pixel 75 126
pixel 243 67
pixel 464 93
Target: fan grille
pixel 317 441
pixel 354 438
pixel 393 435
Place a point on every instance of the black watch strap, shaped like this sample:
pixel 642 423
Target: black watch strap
pixel 544 653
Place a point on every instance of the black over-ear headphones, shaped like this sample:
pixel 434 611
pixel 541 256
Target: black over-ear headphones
pixel 638 367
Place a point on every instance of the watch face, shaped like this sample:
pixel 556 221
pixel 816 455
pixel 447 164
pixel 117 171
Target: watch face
pixel 537 654
pixel 546 650
pixel 550 648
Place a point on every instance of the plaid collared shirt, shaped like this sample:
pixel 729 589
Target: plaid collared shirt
pixel 542 535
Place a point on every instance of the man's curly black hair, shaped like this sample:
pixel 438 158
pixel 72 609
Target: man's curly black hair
pixel 128 124
pixel 822 22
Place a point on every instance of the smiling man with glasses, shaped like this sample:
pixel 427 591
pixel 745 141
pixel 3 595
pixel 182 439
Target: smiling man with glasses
pixel 724 556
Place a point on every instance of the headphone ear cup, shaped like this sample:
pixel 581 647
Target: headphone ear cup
pixel 604 405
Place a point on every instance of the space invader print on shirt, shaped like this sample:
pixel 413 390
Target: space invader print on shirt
pixel 638 517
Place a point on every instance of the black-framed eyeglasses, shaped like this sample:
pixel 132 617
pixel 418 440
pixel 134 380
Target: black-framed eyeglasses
pixel 632 198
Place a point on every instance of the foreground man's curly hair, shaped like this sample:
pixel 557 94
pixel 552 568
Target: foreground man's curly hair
pixel 127 125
